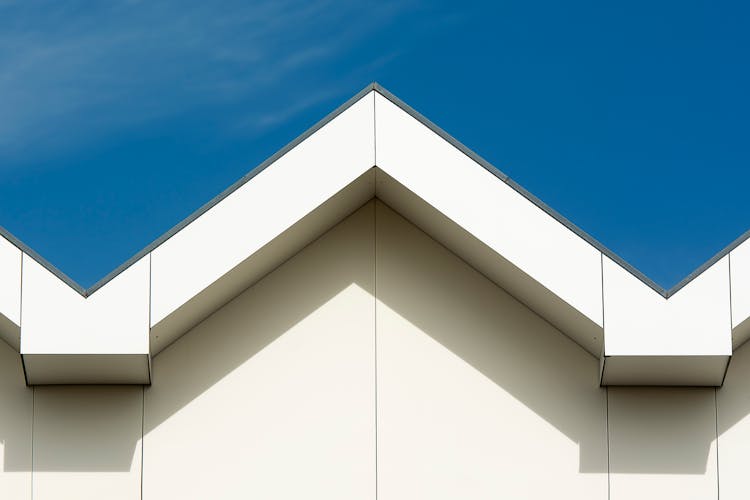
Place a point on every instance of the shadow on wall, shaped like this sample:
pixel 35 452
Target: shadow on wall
pixel 261 315
pixel 733 397
pixel 477 321
pixel 15 412
pixel 665 430
pixel 75 428
pixel 434 291
pixel 660 430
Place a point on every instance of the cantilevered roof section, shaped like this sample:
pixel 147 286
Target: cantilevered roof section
pixel 374 145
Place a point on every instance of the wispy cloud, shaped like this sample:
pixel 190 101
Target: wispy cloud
pixel 72 71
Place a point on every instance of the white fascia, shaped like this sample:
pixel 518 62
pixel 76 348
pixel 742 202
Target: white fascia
pixel 196 261
pixel 685 339
pixel 374 146
pixel 524 238
pixel 10 293
pixel 648 339
pixel 96 334
pixel 739 268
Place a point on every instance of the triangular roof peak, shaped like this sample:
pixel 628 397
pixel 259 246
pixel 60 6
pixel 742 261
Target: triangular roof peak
pixel 375 145
pixel 374 87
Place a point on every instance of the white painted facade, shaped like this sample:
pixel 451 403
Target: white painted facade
pixel 376 313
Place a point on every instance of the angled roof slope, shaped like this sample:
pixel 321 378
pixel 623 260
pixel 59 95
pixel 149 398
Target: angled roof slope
pixel 374 146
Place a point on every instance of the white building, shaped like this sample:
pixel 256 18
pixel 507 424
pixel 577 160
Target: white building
pixel 374 313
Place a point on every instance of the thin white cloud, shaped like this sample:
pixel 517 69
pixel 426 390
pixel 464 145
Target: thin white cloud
pixel 71 72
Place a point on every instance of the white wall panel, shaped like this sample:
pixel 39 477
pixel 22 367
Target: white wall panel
pixel 478 397
pixel 15 427
pixel 488 208
pixel 272 396
pixel 260 210
pixel 87 442
pixel 662 443
pixel 695 321
pixel 733 402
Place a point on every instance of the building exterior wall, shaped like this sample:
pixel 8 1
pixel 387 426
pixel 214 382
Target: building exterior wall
pixel 373 364
pixel 478 397
pixel 273 396
pixel 87 442
pixel 16 412
pixel 662 443
pixel 733 427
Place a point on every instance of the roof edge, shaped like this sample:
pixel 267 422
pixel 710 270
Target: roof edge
pixel 85 292
pixel 521 190
pixel 374 86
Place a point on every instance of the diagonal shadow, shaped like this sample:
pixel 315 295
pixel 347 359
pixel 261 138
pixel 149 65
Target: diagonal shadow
pixel 650 430
pixel 523 355
pixel 428 287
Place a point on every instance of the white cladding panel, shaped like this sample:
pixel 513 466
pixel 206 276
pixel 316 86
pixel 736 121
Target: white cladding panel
pixel 58 320
pixel 15 427
pixel 488 208
pixel 478 397
pixel 273 396
pixel 662 443
pixel 733 405
pixel 87 442
pixel 694 321
pixel 253 215
pixel 740 283
pixel 10 281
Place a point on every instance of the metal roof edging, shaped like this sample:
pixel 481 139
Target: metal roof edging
pixel 434 128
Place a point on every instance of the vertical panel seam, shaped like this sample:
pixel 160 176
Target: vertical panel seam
pixel 375 277
pixel 375 329
pixel 150 298
pixel 33 413
pixel 374 131
pixel 149 294
pixel 731 325
pixel 375 281
pixel 716 424
pixel 143 413
pixel 606 389
pixel 20 330
pixel 20 304
pixel 601 268
pixel 731 312
pixel 602 357
pixel 606 418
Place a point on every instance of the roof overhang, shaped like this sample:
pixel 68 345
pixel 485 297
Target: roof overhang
pixel 374 146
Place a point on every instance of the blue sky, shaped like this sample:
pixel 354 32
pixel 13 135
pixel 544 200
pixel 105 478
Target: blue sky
pixel 118 119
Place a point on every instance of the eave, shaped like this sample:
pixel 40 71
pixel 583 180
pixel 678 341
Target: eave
pixel 375 146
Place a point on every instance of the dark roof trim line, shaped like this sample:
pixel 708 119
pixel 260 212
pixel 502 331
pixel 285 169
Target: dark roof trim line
pixel 41 260
pixel 320 124
pixel 190 218
pixel 520 189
